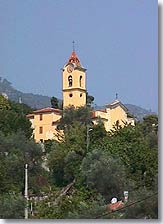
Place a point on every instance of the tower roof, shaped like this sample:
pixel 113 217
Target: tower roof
pixel 74 59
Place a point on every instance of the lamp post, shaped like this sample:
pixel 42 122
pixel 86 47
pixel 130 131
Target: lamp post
pixel 125 196
pixel 88 139
pixel 26 191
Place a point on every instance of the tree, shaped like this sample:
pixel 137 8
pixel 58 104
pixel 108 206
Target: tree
pixel 66 156
pixel 89 100
pixel 11 206
pixel 21 109
pixel 4 104
pixel 72 114
pixel 77 203
pixel 15 152
pixel 104 173
pixel 54 102
pixel 13 118
pixel 149 124
pixel 135 150
pixel 145 205
pixel 97 134
pixel 11 122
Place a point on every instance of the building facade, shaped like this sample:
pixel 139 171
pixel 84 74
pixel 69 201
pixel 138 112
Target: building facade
pixel 44 124
pixel 45 121
pixel 115 114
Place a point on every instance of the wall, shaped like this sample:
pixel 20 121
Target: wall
pixel 48 130
pixel 77 90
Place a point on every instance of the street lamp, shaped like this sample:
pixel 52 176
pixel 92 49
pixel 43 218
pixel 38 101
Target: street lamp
pixel 26 191
pixel 88 139
pixel 125 196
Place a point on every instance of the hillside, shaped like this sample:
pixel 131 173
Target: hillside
pixel 37 101
pixel 137 111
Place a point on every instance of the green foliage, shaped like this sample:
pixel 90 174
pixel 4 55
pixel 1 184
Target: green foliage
pixel 104 173
pixel 124 159
pixel 145 205
pixel 11 122
pixel 11 206
pixel 72 114
pixel 54 102
pixel 89 100
pixel 4 104
pixel 15 151
pixel 97 134
pixel 48 145
pixel 87 204
pixel 149 124
pixel 65 157
pixel 78 203
pixel 56 164
pixel 13 118
pixel 137 152
pixel 21 109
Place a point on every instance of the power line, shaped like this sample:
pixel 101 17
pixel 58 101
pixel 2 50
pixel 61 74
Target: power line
pixel 127 205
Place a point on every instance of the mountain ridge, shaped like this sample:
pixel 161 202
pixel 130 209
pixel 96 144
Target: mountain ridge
pixel 38 101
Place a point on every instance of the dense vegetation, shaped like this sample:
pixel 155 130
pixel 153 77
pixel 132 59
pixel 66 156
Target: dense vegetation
pixel 16 149
pixel 86 169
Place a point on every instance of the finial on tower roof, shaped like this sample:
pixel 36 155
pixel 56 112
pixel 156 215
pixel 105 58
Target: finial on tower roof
pixel 73 45
pixel 116 96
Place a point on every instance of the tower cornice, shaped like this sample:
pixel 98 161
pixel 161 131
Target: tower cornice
pixel 74 88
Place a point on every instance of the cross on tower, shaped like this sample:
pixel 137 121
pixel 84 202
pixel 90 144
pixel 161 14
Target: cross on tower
pixel 73 45
pixel 116 96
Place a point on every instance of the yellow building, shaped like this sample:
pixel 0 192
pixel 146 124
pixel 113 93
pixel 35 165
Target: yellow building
pixel 44 124
pixel 114 114
pixel 45 121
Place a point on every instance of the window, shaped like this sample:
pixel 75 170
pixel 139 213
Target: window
pixel 80 80
pixel 80 94
pixel 70 95
pixel 53 123
pixel 70 81
pixel 40 130
pixel 40 117
pixel 117 123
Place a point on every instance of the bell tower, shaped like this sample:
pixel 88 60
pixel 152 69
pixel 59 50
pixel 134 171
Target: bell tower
pixel 74 82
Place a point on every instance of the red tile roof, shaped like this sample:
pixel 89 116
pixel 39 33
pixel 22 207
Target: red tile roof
pixel 47 110
pixel 93 113
pixel 74 59
pixel 115 206
pixel 44 111
pixel 31 116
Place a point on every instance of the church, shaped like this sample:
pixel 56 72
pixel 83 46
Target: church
pixel 44 121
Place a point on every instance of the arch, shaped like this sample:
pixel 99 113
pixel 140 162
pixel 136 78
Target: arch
pixel 80 79
pixel 70 80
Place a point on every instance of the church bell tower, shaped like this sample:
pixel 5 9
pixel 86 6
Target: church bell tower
pixel 74 83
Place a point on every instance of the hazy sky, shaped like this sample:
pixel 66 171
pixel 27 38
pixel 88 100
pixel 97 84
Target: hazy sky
pixel 116 40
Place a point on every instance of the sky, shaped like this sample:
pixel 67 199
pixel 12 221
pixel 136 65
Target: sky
pixel 115 40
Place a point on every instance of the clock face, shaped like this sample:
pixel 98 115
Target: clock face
pixel 70 68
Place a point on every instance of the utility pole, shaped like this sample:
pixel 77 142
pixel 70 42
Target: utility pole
pixel 88 139
pixel 26 192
